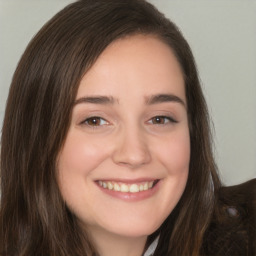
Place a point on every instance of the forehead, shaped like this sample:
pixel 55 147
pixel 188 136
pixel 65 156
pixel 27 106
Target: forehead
pixel 139 62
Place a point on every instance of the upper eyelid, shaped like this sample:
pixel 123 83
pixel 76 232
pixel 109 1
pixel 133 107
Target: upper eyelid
pixel 170 118
pixel 91 117
pixel 108 117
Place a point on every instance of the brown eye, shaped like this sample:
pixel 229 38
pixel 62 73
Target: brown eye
pixel 95 121
pixel 161 120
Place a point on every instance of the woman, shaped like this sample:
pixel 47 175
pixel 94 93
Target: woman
pixel 106 147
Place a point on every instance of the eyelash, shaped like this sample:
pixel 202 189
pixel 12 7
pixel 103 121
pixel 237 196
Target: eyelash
pixel 158 121
pixel 93 119
pixel 167 119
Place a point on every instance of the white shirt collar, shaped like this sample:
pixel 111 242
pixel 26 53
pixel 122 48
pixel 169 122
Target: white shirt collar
pixel 151 249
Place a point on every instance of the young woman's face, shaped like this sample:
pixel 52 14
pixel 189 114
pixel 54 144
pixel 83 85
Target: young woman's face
pixel 125 161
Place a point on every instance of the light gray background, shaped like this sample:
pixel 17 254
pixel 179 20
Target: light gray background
pixel 222 35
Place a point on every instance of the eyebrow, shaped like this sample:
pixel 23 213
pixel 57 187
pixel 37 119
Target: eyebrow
pixel 102 100
pixel 161 98
pixel 151 100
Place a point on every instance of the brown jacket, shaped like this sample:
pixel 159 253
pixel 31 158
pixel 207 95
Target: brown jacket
pixel 233 229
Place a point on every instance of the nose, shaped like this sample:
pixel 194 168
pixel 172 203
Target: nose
pixel 131 149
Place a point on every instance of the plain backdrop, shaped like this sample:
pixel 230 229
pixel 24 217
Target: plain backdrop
pixel 222 35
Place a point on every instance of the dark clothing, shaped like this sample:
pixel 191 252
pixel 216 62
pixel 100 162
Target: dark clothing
pixel 233 229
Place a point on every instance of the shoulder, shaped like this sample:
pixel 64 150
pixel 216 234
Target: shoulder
pixel 232 231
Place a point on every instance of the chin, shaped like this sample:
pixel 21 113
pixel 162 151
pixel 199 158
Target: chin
pixel 134 229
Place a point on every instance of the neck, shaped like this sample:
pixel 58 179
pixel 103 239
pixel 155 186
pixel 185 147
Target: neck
pixel 109 244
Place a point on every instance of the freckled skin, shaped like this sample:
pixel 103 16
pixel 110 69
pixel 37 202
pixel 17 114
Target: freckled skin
pixel 127 144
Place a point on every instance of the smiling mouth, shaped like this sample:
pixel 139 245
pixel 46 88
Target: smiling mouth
pixel 125 188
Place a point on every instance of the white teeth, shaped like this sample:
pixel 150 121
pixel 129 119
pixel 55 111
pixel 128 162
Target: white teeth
pixel 124 188
pixel 132 188
pixel 110 185
pixel 116 187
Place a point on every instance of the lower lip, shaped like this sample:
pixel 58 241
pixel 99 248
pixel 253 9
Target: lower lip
pixel 132 197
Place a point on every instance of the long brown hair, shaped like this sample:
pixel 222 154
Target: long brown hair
pixel 33 217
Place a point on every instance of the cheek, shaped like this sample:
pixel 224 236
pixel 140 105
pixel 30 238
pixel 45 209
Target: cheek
pixel 78 159
pixel 80 155
pixel 174 153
